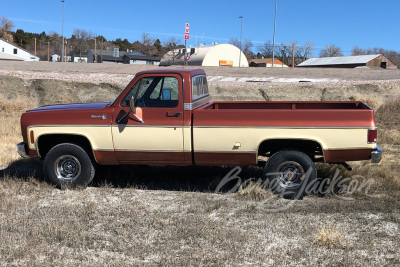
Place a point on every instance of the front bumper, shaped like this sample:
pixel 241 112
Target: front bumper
pixel 376 155
pixel 21 150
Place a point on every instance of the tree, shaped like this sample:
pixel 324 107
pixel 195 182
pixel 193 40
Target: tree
pixel 306 51
pixel 246 47
pixel 80 37
pixel 21 38
pixel 331 51
pixel 6 26
pixel 266 50
pixel 147 45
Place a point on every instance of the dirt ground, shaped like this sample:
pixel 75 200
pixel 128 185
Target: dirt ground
pixel 163 216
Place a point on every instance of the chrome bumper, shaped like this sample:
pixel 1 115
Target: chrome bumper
pixel 21 150
pixel 376 155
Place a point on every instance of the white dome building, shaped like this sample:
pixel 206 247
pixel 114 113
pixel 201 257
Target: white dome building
pixel 214 55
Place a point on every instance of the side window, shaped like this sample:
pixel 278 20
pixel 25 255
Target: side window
pixel 15 51
pixel 154 92
pixel 199 87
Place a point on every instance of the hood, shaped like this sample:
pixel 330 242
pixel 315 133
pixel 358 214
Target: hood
pixel 83 106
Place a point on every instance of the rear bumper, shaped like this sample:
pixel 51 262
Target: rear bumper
pixel 21 150
pixel 376 155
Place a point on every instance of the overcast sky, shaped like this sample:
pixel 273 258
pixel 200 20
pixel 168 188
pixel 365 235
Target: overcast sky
pixel 345 23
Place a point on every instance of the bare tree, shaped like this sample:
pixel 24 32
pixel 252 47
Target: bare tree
pixel 266 49
pixel 331 51
pixel 171 43
pixel 56 42
pixel 247 47
pixel 147 45
pixel 306 50
pixel 80 38
pixel 6 26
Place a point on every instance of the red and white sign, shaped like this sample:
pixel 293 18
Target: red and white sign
pixel 187 31
pixel 187 58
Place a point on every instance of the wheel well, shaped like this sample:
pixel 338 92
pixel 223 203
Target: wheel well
pixel 47 142
pixel 312 148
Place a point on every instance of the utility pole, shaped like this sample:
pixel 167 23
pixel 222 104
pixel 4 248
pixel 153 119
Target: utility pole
pixel 48 51
pixel 273 51
pixel 95 49
pixel 62 51
pixel 35 46
pixel 102 48
pixel 293 56
pixel 241 31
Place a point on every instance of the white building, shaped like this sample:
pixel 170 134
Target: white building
pixel 10 51
pixel 214 55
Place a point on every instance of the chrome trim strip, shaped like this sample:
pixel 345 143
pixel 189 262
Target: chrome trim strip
pixel 70 125
pixel 349 148
pixel 144 151
pixel 286 127
pixel 236 151
pixel 148 126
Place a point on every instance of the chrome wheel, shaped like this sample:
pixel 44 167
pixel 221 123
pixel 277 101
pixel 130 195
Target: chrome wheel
pixel 290 174
pixel 67 168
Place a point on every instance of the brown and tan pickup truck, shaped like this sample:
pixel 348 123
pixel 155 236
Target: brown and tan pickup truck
pixel 165 117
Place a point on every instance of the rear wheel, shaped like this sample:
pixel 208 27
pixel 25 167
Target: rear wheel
pixel 290 174
pixel 68 165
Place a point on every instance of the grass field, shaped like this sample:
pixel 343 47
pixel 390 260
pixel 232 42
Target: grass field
pixel 163 216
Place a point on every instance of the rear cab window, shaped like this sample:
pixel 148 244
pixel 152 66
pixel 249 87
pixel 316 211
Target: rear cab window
pixel 199 87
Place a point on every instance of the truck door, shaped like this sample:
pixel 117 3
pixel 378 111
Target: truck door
pixel 156 136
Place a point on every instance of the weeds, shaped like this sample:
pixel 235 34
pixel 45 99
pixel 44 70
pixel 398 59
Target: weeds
pixel 329 236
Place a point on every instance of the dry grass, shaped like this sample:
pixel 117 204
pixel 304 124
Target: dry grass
pixel 115 224
pixel 253 191
pixel 329 236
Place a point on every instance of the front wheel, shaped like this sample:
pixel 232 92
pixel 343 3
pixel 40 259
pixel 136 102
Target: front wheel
pixel 68 165
pixel 290 174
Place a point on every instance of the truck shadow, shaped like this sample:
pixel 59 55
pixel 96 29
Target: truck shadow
pixel 171 178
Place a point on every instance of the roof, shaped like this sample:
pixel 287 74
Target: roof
pixel 193 72
pixel 265 60
pixel 111 53
pixel 338 60
pixel 142 57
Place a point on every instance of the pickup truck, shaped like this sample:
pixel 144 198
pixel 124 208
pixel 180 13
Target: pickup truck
pixel 165 117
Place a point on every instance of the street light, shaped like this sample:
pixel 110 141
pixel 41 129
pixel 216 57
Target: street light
pixel 241 31
pixel 273 49
pixel 62 52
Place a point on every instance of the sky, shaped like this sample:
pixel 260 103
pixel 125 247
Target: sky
pixel 344 23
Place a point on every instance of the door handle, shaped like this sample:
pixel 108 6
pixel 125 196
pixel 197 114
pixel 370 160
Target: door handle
pixel 173 114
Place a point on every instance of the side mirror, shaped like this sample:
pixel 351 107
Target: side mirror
pixel 132 108
pixel 166 94
pixel 136 111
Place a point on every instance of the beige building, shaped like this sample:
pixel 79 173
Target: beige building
pixel 214 55
pixel 267 62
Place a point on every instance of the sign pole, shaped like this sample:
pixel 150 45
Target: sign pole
pixel 187 54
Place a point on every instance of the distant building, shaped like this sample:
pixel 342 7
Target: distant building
pixel 130 57
pixel 214 55
pixel 10 51
pixel 267 62
pixel 55 58
pixel 350 62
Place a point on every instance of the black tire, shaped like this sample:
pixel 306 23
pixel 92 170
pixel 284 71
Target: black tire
pixel 290 174
pixel 68 165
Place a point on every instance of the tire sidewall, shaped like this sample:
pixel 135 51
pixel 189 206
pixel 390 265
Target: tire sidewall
pixel 87 167
pixel 303 160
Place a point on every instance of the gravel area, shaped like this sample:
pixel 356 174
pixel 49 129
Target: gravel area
pixel 121 74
